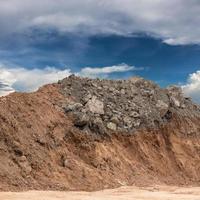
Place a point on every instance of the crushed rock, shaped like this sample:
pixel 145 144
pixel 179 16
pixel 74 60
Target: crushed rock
pixel 122 105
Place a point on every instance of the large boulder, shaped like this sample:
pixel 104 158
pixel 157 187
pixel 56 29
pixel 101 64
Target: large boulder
pixel 95 106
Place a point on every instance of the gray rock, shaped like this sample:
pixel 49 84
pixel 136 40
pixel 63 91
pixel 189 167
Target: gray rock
pixel 123 92
pixel 115 119
pixel 136 123
pixel 134 114
pixel 86 98
pixel 95 106
pixel 128 122
pixel 112 126
pixel 162 107
pixel 97 125
pixel 81 119
pixel 73 107
pixel 175 101
pixel 176 96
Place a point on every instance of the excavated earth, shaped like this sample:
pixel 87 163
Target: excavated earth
pixel 91 134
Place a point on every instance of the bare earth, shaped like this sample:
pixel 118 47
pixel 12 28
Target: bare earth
pixel 123 193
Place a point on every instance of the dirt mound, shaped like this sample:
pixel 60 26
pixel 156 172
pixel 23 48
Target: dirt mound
pixel 84 134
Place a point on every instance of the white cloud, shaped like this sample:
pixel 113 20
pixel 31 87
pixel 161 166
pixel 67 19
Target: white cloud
pixel 105 71
pixel 176 22
pixel 192 88
pixel 5 89
pixel 22 79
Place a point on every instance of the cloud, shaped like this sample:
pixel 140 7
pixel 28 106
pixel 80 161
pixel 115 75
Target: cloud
pixel 5 89
pixel 105 71
pixel 192 87
pixel 172 21
pixel 22 79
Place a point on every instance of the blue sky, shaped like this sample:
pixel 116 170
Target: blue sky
pixel 43 41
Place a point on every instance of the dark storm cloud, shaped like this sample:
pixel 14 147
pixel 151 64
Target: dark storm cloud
pixel 170 20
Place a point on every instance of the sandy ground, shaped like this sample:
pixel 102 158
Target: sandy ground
pixel 123 193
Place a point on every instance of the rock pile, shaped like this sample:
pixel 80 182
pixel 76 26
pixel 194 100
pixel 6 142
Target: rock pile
pixel 121 105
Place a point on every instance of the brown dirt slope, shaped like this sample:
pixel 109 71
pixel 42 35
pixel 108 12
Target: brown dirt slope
pixel 41 149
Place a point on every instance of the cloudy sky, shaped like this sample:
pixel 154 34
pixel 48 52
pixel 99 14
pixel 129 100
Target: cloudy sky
pixel 43 41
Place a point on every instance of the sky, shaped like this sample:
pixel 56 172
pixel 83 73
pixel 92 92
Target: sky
pixel 44 41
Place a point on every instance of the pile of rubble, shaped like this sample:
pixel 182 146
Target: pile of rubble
pixel 121 105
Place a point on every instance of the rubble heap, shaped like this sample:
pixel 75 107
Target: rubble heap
pixel 122 105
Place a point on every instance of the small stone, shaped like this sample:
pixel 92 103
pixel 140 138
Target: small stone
pixel 162 107
pixel 73 107
pixel 41 141
pixel 123 91
pixel 112 126
pixel 128 121
pixel 175 102
pixel 87 98
pixel 94 84
pixel 134 114
pixel 66 163
pixel 22 159
pixel 111 89
pixel 183 106
pixel 115 120
pixel 97 126
pixel 24 164
pixel 81 119
pixel 136 123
